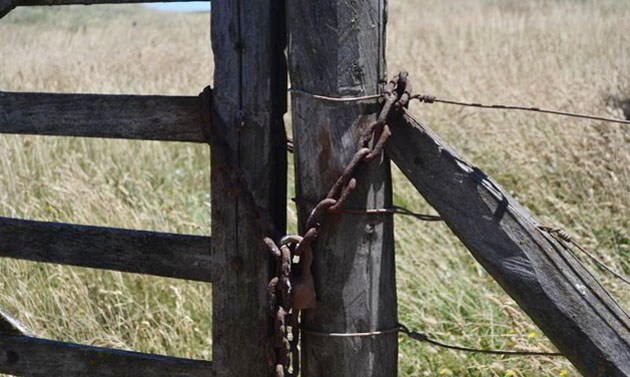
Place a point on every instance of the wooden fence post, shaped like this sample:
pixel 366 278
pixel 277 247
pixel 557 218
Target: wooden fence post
pixel 540 274
pixel 249 98
pixel 337 49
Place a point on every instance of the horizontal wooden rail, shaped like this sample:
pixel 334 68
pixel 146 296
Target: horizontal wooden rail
pixel 31 3
pixel 152 253
pixel 34 357
pixel 165 118
pixel 546 281
pixel 7 6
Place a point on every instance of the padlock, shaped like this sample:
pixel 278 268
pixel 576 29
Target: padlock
pixel 303 284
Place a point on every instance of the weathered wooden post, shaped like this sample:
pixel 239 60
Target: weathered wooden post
pixel 547 282
pixel 336 49
pixel 249 98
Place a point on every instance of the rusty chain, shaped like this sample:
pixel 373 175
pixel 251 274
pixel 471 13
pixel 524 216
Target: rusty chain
pixel 292 289
pixel 301 286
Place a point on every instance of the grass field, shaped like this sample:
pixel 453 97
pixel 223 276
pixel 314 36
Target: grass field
pixel 570 55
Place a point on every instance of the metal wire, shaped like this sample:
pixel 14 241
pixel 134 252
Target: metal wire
pixel 564 236
pixel 420 337
pixel 420 216
pixel 396 210
pixel 350 335
pixel 334 99
pixel 432 99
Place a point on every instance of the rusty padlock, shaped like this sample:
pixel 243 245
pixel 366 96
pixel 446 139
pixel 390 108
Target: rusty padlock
pixel 302 280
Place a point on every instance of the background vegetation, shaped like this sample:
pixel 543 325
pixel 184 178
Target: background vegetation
pixel 570 55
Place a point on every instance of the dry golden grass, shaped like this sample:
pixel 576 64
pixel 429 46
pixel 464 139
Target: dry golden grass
pixel 566 55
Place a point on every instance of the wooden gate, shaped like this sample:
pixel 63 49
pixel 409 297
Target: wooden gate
pixel 248 47
pixel 336 56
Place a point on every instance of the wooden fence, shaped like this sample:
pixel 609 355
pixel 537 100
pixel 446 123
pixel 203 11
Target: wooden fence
pixel 138 117
pixel 336 50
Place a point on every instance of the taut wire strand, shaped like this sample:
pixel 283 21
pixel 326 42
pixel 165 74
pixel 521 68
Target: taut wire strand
pixel 393 210
pixel 350 335
pixel 396 210
pixel 420 337
pixel 564 236
pixel 432 99
pixel 334 99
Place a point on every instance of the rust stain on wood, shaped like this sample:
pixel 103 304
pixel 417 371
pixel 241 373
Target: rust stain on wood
pixel 328 172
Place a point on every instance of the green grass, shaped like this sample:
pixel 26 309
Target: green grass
pixel 565 55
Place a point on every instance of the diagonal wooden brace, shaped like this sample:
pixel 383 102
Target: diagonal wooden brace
pixel 548 283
